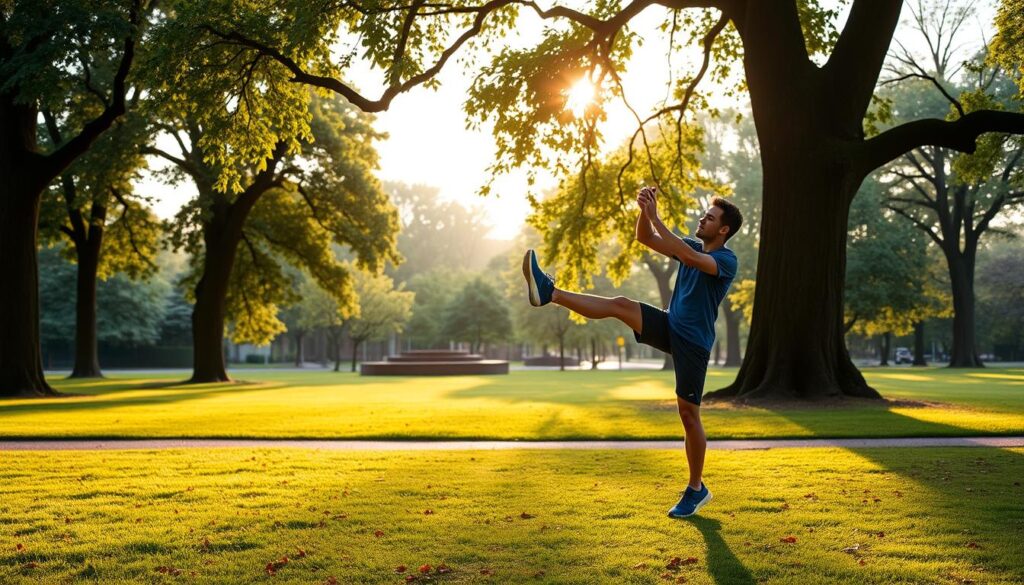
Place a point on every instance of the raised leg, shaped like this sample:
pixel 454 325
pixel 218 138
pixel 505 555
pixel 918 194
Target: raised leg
pixel 595 307
pixel 696 442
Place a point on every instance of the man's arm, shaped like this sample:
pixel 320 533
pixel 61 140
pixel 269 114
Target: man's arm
pixel 662 240
pixel 644 229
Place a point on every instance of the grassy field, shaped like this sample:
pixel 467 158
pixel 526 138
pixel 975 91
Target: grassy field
pixel 781 517
pixel 527 405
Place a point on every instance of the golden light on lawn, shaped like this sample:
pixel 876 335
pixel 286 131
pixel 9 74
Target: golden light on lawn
pixel 580 96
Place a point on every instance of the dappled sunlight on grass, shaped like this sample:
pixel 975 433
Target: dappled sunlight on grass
pixel 993 376
pixel 528 405
pixel 648 390
pixel 906 377
pixel 221 515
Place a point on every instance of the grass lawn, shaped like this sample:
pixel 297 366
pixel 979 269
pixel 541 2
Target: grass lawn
pixel 528 405
pixel 782 516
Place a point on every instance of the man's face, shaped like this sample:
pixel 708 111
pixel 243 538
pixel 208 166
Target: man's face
pixel 709 225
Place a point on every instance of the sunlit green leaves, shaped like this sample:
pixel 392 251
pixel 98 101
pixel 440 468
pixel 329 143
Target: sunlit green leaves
pixel 587 213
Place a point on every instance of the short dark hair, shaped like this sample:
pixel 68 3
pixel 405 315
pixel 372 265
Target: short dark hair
pixel 731 215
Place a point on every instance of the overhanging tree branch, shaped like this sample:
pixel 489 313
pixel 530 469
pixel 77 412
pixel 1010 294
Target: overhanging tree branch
pixel 59 159
pixel 960 134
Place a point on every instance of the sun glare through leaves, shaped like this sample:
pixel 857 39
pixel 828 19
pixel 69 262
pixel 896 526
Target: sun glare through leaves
pixel 580 96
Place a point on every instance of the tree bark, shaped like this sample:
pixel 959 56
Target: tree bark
pixel 809 123
pixel 919 345
pixel 87 362
pixel 210 309
pixel 299 335
pixel 561 353
pixel 961 272
pixel 796 348
pixel 884 341
pixel 21 367
pixel 355 352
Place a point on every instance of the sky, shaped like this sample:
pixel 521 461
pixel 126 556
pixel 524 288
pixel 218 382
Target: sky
pixel 428 142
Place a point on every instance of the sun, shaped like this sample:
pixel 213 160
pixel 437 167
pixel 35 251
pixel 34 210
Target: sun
pixel 580 96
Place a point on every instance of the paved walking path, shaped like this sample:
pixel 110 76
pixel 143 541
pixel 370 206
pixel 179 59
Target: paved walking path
pixel 107 445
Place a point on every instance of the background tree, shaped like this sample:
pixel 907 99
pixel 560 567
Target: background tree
pixel 105 225
pixel 1000 290
pixel 319 309
pixel 129 312
pixel 887 270
pixel 48 53
pixel 259 58
pixel 292 207
pixel 383 310
pixel 434 290
pixel 954 198
pixel 436 235
pixel 477 315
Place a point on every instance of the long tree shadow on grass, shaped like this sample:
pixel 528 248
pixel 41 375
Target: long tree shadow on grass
pixel 962 494
pixel 182 392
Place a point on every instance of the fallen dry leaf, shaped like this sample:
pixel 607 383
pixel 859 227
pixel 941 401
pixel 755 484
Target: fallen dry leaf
pixel 788 539
pixel 400 569
pixel 425 569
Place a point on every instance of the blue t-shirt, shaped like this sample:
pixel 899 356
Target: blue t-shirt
pixel 696 297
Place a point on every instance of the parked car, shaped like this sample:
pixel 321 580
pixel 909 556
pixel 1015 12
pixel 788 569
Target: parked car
pixel 903 356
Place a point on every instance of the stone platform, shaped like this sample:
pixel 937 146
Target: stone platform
pixel 434 362
pixel 550 360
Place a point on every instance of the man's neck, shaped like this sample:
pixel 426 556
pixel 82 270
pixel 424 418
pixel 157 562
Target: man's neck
pixel 709 246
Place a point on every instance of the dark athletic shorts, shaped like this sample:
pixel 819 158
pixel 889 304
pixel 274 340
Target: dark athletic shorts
pixel 690 359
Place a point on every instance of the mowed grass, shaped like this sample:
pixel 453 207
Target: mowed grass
pixel 792 516
pixel 525 405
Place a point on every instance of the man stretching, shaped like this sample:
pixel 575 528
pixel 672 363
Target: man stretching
pixel 686 330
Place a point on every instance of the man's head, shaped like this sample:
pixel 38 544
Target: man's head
pixel 722 220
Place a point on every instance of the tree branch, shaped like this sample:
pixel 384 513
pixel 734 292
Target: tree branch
pixel 125 207
pixel 852 69
pixel 956 103
pixel 918 223
pixel 59 159
pixel 960 134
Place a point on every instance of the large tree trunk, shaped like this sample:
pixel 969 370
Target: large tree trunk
pixel 299 335
pixel 210 309
pixel 732 333
pixel 561 353
pixel 796 347
pixel 21 367
pixel 884 341
pixel 87 362
pixel 961 272
pixel 919 344
pixel 355 352
pixel 21 187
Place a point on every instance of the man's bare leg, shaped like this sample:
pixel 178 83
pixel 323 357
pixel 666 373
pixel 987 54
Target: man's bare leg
pixel 696 442
pixel 595 307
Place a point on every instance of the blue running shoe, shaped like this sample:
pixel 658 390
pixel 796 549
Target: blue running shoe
pixel 541 285
pixel 691 501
